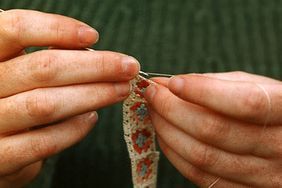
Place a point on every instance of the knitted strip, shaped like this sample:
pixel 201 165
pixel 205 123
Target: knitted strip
pixel 139 135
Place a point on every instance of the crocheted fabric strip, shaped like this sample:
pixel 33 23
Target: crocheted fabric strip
pixel 139 135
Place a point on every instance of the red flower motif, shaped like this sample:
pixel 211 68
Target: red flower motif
pixel 142 140
pixel 135 106
pixel 142 84
pixel 141 87
pixel 144 169
pixel 140 112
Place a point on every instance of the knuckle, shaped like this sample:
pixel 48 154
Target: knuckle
pixel 41 147
pixel 245 168
pixel 212 128
pixel 110 63
pixel 255 104
pixel 165 106
pixel 14 25
pixel 38 106
pixel 117 64
pixel 17 24
pixel 203 156
pixel 106 95
pixel 43 67
pixel 100 64
pixel 57 29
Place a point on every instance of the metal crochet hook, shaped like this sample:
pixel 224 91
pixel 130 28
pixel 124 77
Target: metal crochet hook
pixel 153 74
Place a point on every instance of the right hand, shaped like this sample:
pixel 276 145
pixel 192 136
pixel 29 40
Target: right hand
pixel 58 88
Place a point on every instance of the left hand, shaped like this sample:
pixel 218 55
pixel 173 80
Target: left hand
pixel 225 125
pixel 48 97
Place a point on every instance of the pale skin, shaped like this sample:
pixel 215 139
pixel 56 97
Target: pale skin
pixel 222 125
pixel 210 126
pixel 48 98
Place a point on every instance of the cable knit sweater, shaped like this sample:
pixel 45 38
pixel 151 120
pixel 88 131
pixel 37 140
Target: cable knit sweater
pixel 167 36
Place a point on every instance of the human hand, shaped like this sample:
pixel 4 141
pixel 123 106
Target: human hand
pixel 58 88
pixel 225 125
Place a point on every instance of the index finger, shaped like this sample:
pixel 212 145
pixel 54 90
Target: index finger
pixel 241 100
pixel 24 28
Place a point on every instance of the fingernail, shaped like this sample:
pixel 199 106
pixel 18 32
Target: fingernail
pixel 87 35
pixel 176 84
pixel 122 89
pixel 151 92
pixel 130 65
pixel 93 116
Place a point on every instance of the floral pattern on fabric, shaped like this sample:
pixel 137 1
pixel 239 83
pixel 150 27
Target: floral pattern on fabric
pixel 140 112
pixel 141 87
pixel 144 168
pixel 142 140
pixel 139 135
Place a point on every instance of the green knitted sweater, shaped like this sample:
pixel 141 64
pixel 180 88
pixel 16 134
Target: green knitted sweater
pixel 167 36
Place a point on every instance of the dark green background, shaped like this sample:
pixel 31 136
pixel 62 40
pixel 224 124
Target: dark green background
pixel 168 36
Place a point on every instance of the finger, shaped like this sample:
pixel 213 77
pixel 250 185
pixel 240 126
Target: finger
pixel 161 80
pixel 212 128
pixel 22 177
pixel 242 77
pixel 61 67
pixel 243 169
pixel 230 76
pixel 26 148
pixel 242 100
pixel 44 106
pixel 24 28
pixel 194 174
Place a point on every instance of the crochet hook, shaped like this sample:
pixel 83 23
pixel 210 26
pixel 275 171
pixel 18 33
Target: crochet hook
pixel 153 74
